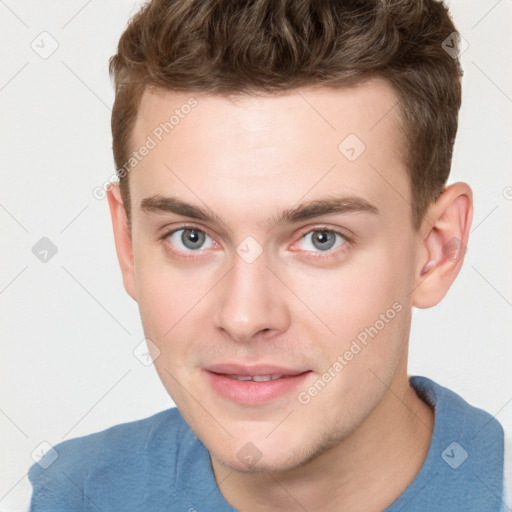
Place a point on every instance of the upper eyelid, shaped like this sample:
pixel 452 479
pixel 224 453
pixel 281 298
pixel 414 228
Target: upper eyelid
pixel 339 231
pixel 170 231
pixel 346 239
pixel 302 232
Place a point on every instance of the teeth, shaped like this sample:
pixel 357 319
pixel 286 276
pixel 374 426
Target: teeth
pixel 255 378
pixel 263 378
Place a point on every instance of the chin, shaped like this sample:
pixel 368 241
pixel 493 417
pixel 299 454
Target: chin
pixel 249 459
pixel 263 465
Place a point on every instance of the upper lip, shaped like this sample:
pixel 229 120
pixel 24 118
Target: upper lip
pixel 252 370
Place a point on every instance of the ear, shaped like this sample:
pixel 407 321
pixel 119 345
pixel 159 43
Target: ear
pixel 443 237
pixel 122 237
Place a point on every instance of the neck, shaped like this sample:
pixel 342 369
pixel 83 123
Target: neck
pixel 367 470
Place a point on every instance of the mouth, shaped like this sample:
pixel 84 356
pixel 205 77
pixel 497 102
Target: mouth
pixel 255 378
pixel 254 385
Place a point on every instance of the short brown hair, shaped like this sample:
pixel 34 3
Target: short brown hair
pixel 231 47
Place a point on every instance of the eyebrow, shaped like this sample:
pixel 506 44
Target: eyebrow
pixel 304 211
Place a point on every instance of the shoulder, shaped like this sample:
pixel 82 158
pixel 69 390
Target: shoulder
pixel 455 416
pixel 120 441
pixel 112 461
pixel 464 465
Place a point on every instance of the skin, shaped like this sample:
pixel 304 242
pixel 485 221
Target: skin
pixel 247 160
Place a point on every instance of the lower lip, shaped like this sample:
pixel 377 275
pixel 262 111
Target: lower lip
pixel 249 392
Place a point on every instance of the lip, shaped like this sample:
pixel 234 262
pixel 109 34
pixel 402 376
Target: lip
pixel 252 392
pixel 258 369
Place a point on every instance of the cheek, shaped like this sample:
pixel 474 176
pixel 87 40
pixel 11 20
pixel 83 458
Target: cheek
pixel 168 304
pixel 352 297
pixel 167 297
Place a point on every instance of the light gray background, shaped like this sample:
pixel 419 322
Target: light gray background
pixel 68 327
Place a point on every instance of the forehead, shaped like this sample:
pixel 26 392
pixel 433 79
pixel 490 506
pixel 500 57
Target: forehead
pixel 266 150
pixel 362 107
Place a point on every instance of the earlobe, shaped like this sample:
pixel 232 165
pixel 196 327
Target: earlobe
pixel 122 238
pixel 445 233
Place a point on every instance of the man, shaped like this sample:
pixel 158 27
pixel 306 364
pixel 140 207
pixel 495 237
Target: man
pixel 282 206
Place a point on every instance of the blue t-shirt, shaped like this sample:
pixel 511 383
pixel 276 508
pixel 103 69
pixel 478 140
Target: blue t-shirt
pixel 159 464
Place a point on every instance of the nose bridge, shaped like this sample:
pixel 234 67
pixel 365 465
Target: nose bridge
pixel 249 301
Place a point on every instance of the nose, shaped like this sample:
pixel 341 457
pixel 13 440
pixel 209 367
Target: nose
pixel 250 302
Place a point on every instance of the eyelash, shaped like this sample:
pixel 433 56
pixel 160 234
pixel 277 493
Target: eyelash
pixel 170 249
pixel 329 254
pixel 314 254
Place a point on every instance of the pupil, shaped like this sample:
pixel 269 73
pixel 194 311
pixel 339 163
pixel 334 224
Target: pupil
pixel 325 239
pixel 192 239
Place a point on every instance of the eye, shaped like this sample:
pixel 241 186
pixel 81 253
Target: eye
pixel 321 240
pixel 189 239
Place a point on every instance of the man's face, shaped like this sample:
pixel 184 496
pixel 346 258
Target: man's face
pixel 249 293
